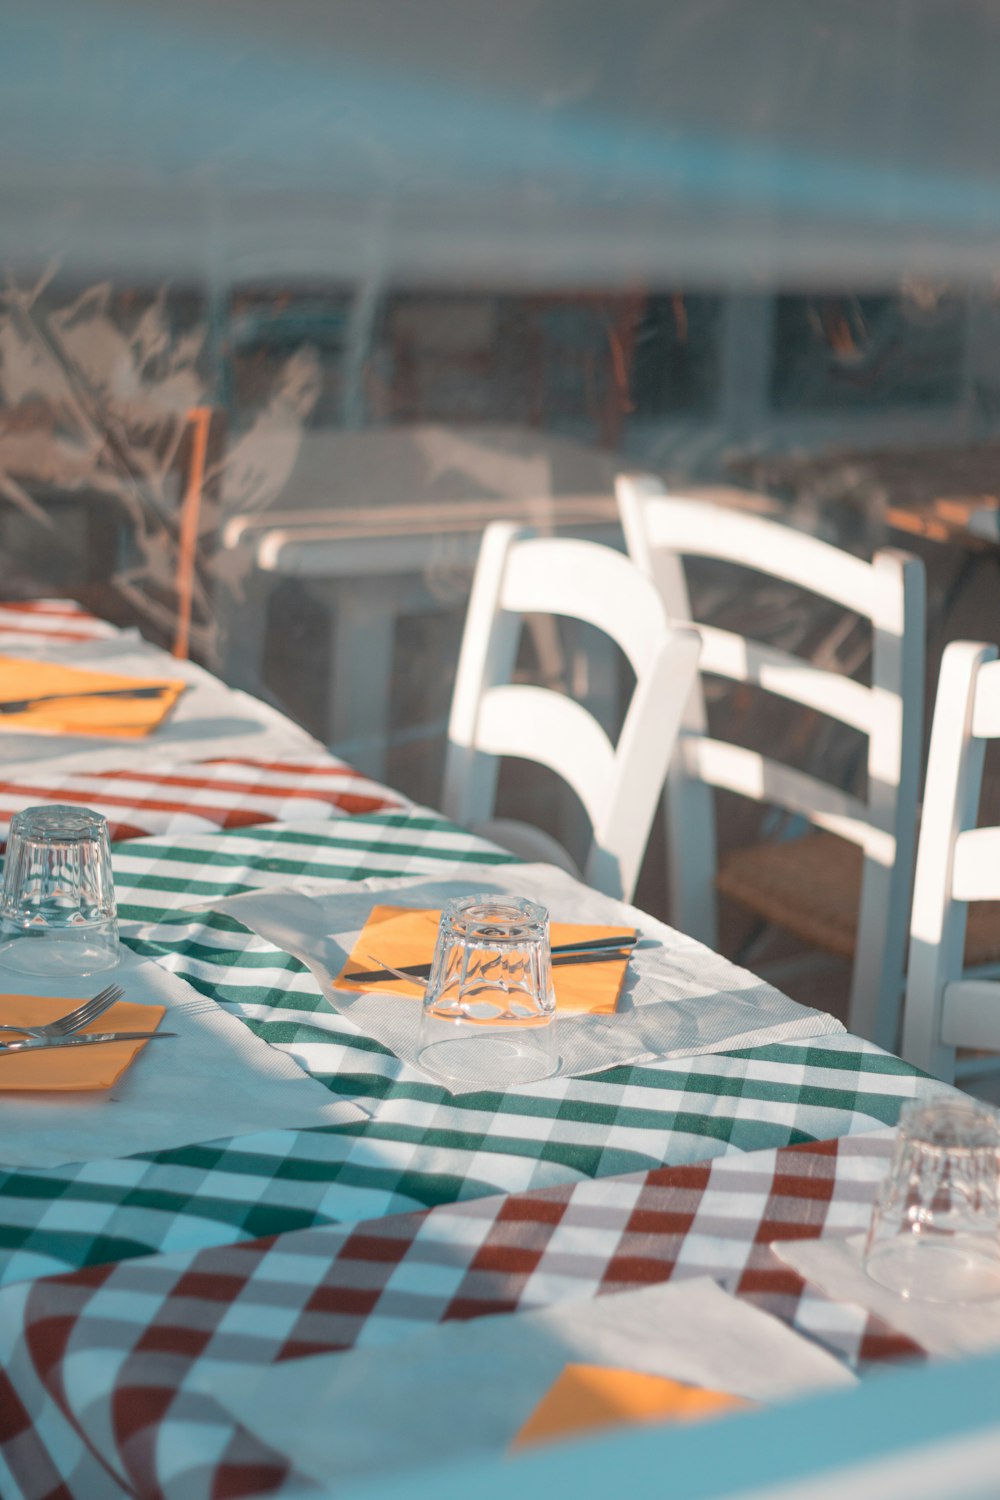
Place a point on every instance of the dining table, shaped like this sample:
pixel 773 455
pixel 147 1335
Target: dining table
pixel 135 1280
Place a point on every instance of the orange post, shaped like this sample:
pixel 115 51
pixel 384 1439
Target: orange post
pixel 200 420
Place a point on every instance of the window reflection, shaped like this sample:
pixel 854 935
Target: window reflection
pixel 293 302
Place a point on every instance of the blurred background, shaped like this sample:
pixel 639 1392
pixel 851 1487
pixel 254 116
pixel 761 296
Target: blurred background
pixel 295 298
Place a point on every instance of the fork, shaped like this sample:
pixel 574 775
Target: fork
pixel 398 973
pixel 74 1020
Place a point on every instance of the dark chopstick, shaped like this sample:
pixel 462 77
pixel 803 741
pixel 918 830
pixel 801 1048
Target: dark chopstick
pixel 595 950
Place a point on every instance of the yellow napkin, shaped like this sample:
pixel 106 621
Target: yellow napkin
pixel 125 717
pixel 399 935
pixel 71 1069
pixel 586 1398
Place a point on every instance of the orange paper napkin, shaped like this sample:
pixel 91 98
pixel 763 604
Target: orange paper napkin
pixel 70 1069
pixel 586 1398
pixel 400 935
pixel 79 714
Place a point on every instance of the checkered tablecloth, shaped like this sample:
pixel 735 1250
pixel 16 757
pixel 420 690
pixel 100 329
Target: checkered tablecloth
pixel 173 796
pixel 54 620
pixel 127 1355
pixel 529 1201
pixel 420 1146
pixel 177 797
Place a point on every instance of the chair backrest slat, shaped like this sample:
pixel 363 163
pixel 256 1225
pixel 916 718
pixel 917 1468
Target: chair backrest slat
pixel 734 768
pixel 581 581
pixel 729 655
pixel 975 872
pixel 536 724
pixel 694 528
pixel 970 1014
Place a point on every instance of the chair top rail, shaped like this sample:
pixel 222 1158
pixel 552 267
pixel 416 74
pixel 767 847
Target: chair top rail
pixel 691 527
pixel 588 582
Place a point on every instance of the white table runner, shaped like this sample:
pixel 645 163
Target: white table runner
pixel 213 1080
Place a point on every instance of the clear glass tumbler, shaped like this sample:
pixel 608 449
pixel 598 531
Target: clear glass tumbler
pixel 489 1009
pixel 934 1233
pixel 57 909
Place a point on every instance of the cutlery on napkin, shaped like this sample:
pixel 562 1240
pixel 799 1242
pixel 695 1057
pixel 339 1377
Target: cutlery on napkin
pixel 70 700
pixel 72 1063
pixel 404 937
pixel 20 705
pixel 597 950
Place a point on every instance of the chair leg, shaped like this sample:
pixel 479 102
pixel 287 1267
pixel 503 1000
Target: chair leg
pixel 243 628
pixel 756 939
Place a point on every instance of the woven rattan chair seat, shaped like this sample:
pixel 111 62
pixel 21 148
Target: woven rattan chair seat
pixel 811 887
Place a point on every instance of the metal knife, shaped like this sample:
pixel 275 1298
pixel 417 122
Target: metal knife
pixel 84 1039
pixel 21 705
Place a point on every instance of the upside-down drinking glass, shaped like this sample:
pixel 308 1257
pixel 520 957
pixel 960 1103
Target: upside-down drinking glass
pixel 489 1008
pixel 57 909
pixel 934 1233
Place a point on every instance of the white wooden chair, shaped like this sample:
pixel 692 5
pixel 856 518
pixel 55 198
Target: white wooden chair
pixel 948 1003
pixel 843 887
pixel 491 716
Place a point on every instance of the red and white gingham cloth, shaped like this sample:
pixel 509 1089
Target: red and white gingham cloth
pixel 177 797
pixel 107 1371
pixel 173 796
pixel 51 620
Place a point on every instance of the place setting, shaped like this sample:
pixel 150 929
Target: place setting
pixel 50 698
pixel 82 711
pixel 58 920
pixel 515 975
pixel 929 1263
pixel 41 1045
pixel 73 1044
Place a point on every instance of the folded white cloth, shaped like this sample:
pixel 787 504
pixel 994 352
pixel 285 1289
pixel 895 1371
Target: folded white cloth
pixel 835 1267
pixel 678 1000
pixel 214 1079
pixel 462 1388
pixel 208 721
pixel 467 1388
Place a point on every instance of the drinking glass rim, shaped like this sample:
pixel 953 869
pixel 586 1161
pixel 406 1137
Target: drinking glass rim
pixel 950 1126
pixel 57 822
pixel 526 919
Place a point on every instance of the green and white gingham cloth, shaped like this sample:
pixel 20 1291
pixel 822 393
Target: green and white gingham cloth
pixel 678 999
pixel 419 1146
